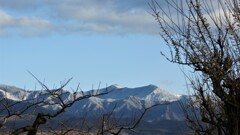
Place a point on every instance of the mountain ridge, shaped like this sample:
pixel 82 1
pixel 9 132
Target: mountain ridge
pixel 117 89
pixel 123 101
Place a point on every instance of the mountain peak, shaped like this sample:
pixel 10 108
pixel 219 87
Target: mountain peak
pixel 116 86
pixel 152 86
pixel 9 88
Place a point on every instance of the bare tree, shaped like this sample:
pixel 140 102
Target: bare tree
pixel 30 109
pixel 205 36
pixel 55 95
pixel 55 98
pixel 115 125
pixel 109 122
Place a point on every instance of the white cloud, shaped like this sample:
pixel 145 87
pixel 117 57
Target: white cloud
pixel 71 16
pixel 5 19
pixel 107 17
pixel 80 16
pixel 27 26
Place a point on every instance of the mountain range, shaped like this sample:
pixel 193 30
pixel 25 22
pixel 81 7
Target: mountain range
pixel 126 103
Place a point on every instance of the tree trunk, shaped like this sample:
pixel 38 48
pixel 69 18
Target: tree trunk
pixel 38 121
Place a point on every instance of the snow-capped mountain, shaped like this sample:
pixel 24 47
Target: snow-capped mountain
pixel 149 93
pixel 125 100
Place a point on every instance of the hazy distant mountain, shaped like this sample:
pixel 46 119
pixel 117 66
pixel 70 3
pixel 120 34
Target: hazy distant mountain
pixel 127 101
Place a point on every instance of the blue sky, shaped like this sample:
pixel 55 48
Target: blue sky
pixel 112 42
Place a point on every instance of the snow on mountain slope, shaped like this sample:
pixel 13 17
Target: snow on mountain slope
pixel 12 92
pixel 149 93
pixel 114 92
pixel 126 100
